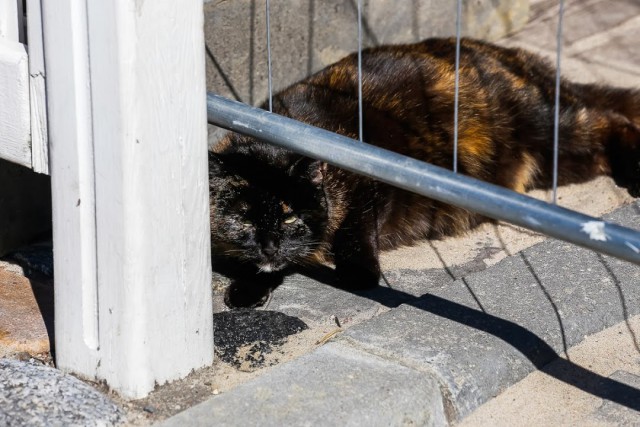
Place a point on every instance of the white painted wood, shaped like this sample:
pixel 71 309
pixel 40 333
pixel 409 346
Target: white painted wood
pixel 10 22
pixel 72 185
pixel 37 98
pixel 14 103
pixel 20 19
pixel 127 131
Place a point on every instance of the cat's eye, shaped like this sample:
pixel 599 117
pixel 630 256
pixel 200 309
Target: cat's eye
pixel 291 219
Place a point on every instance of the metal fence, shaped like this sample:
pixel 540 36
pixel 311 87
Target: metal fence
pixel 425 179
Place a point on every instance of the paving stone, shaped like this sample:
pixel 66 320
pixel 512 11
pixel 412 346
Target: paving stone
pixel 36 395
pixel 316 302
pixel 599 39
pixel 334 385
pixel 630 217
pixel 471 363
pixel 610 411
pixel 596 385
pixel 22 326
pixel 487 331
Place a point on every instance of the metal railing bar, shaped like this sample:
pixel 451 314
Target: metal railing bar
pixel 556 108
pixel 456 93
pixel 425 179
pixel 269 67
pixel 360 136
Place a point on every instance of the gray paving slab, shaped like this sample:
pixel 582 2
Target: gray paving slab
pixel 610 411
pixel 487 331
pixel 315 301
pixel 472 364
pixel 333 386
pixel 455 347
pixel 596 384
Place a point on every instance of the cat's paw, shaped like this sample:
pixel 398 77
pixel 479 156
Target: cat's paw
pixel 634 175
pixel 634 188
pixel 625 160
pixel 355 277
pixel 627 175
pixel 241 294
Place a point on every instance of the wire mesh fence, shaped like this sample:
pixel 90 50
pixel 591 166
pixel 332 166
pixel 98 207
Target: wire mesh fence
pixel 422 178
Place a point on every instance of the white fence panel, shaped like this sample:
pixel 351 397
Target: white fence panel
pixel 14 103
pixel 23 120
pixel 14 86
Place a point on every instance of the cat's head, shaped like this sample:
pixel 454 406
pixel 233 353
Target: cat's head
pixel 267 209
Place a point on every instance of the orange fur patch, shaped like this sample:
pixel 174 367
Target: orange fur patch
pixel 526 173
pixel 475 145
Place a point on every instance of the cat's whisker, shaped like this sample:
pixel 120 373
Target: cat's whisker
pixel 304 262
pixel 263 269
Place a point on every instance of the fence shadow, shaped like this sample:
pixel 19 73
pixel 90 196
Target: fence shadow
pixel 534 348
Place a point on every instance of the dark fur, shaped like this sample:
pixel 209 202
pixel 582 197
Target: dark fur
pixel 505 137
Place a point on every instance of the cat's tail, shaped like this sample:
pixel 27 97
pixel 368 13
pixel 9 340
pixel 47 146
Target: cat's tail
pixel 619 100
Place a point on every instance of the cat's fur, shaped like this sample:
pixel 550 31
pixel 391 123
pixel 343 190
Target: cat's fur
pixel 271 208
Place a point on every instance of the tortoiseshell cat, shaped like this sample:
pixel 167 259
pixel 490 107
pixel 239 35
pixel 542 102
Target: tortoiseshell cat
pixel 271 208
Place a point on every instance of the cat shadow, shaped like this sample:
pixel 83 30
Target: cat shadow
pixel 534 348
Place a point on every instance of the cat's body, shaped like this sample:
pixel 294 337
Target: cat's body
pixel 272 208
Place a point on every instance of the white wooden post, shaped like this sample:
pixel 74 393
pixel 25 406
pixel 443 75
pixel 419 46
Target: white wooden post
pixel 127 131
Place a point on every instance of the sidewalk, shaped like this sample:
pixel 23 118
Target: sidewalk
pixel 436 358
pixel 428 359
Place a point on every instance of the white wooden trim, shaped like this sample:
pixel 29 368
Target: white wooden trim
pixel 11 20
pixel 23 120
pixel 14 103
pixel 37 93
pixel 127 128
pixel 72 182
pixel 20 19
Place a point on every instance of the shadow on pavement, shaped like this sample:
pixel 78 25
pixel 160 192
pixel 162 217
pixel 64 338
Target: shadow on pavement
pixel 534 348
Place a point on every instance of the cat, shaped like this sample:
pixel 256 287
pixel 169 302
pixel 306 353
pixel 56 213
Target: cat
pixel 272 208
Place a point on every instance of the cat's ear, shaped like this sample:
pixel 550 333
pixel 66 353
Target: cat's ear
pixel 317 171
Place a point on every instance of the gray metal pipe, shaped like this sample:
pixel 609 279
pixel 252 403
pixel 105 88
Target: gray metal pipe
pixel 425 179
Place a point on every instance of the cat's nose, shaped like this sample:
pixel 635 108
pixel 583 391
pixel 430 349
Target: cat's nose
pixel 269 248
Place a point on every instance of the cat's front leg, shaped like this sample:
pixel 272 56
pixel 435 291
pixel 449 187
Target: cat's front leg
pixel 251 292
pixel 249 288
pixel 355 249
